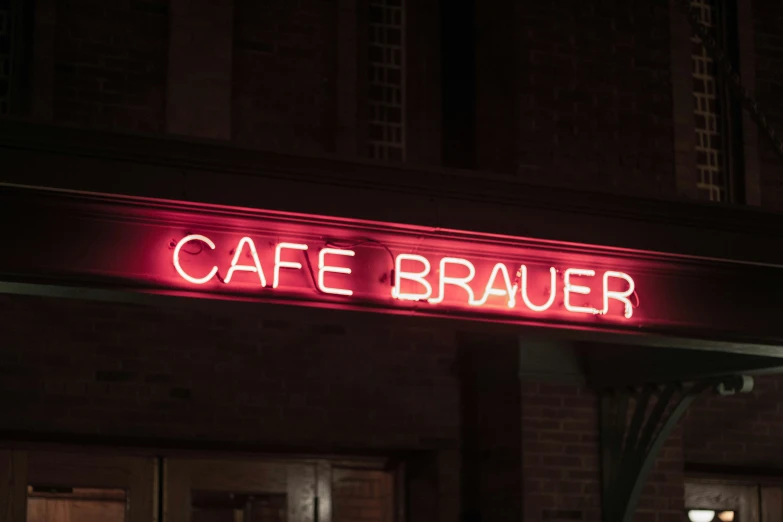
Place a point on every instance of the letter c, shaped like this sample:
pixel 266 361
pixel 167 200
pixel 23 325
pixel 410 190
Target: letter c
pixel 185 275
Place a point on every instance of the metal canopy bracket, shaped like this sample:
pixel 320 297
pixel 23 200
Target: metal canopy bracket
pixel 635 423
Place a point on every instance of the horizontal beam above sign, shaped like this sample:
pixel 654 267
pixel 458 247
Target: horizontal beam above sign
pixel 217 172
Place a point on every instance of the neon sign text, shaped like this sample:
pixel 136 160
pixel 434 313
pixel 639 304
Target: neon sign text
pixel 285 264
pixel 455 282
pixel 323 268
pixel 187 277
pixel 256 267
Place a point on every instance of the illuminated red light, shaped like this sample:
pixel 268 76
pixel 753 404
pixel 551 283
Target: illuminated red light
pixel 255 267
pixel 552 289
pixel 510 291
pixel 570 288
pixel 461 282
pixel 620 296
pixel 418 277
pixel 178 249
pixel 413 280
pixel 323 268
pixel 285 264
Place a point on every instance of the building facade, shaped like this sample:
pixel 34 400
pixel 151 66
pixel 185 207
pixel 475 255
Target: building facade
pixel 385 260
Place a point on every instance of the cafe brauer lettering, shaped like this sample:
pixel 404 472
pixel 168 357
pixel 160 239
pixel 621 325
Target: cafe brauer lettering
pixel 369 270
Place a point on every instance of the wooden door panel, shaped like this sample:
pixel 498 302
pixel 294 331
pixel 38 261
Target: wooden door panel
pixel 222 475
pixel 771 504
pixel 136 476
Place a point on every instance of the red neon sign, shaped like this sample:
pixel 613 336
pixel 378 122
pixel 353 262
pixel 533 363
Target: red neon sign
pixel 436 279
pixel 129 245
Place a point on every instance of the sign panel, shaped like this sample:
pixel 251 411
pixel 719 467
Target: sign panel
pixel 217 252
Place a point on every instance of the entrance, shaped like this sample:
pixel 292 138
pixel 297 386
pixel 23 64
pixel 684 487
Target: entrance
pixel 61 486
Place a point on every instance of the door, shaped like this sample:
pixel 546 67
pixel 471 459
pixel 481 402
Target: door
pixel 206 490
pixel 44 486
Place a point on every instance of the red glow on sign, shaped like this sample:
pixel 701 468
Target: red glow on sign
pixel 255 267
pixel 323 268
pixel 415 276
pixel 460 282
pixel 526 299
pixel 408 278
pixel 187 277
pixel 285 264
pixel 570 288
pixel 509 292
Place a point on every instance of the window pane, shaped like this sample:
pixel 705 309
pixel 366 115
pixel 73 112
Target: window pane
pixel 210 506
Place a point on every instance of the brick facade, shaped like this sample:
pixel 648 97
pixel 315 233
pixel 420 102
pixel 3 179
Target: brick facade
pixel 284 76
pixel 744 431
pixel 110 64
pixel 589 88
pixel 567 94
pixel 561 465
pixel 128 370
pixel 593 104
pixel 561 448
pixel 148 373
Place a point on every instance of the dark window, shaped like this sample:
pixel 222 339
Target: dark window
pixel 15 32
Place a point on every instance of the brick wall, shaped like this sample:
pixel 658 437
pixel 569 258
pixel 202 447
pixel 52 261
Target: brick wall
pixel 561 460
pixel 139 371
pixel 560 453
pixel 284 75
pixel 594 95
pixel 110 64
pixel 741 430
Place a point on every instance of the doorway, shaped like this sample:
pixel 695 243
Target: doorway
pixel 101 486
